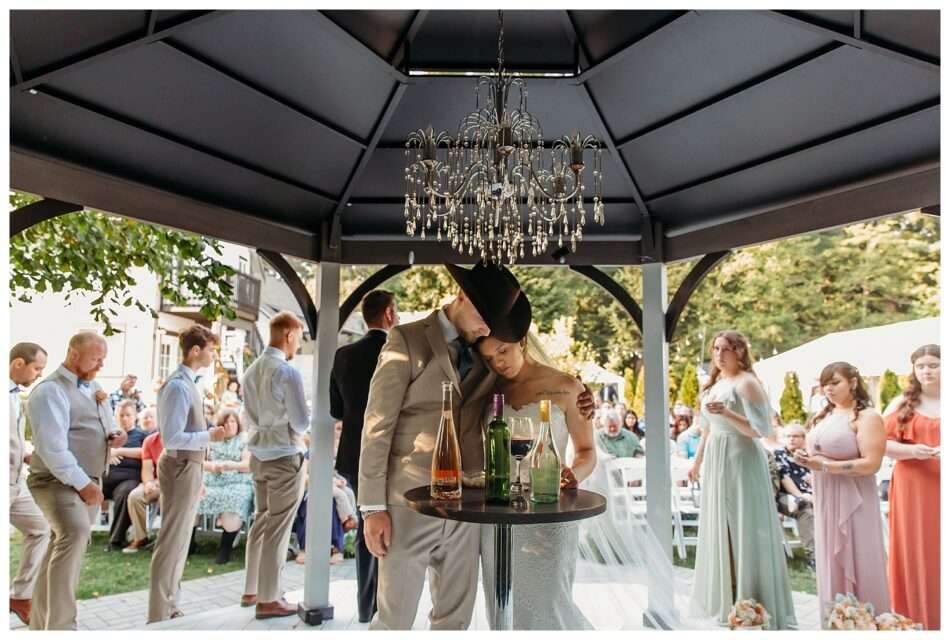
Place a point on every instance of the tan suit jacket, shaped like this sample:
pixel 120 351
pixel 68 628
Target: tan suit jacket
pixel 403 412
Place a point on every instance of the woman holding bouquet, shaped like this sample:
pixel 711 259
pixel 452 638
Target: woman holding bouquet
pixel 845 445
pixel 739 554
pixel 912 425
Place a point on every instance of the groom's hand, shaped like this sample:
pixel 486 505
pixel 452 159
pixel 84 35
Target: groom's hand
pixel 379 529
pixel 585 403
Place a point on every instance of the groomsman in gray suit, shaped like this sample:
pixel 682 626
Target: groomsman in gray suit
pixel 276 415
pixel 27 361
pixel 185 436
pixel 73 429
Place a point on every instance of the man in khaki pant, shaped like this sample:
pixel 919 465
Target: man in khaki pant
pixel 146 493
pixel 185 434
pixel 27 361
pixel 73 428
pixel 275 412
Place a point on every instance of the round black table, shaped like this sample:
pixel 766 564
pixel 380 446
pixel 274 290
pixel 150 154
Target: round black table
pixel 573 505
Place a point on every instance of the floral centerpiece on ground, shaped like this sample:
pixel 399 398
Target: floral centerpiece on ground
pixel 848 614
pixel 889 621
pixel 748 614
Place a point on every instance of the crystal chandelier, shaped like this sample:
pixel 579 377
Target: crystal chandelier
pixel 495 187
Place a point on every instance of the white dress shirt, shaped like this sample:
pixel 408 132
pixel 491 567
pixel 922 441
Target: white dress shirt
pixel 287 390
pixel 48 410
pixel 173 408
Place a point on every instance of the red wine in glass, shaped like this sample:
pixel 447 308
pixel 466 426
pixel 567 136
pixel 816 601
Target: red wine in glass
pixel 520 447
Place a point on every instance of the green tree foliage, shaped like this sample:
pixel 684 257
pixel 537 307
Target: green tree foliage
pixel 639 396
pixel 792 404
pixel 890 388
pixel 95 253
pixel 688 393
pixel 629 387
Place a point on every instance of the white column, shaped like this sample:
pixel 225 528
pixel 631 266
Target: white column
pixel 316 593
pixel 656 405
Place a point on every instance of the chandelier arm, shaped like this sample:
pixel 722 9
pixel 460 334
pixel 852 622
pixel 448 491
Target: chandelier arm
pixel 462 188
pixel 555 198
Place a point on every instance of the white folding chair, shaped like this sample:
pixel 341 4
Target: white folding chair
pixel 625 498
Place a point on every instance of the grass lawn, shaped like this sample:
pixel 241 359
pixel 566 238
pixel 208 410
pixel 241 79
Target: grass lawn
pixel 799 575
pixel 114 572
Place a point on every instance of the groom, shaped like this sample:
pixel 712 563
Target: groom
pixel 400 425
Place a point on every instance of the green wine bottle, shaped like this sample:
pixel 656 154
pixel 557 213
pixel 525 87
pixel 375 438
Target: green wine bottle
pixel 497 455
pixel 545 461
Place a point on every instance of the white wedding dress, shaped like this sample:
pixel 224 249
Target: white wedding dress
pixel 543 557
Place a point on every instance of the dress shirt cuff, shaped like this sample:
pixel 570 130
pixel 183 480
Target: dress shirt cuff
pixel 367 509
pixel 76 478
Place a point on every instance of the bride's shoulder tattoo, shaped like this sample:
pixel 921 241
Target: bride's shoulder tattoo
pixel 558 392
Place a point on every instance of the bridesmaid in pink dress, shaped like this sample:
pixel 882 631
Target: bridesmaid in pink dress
pixel 845 446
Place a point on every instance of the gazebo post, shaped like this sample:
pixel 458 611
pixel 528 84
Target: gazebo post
pixel 658 484
pixel 316 606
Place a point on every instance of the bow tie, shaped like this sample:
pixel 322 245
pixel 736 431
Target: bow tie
pixel 82 384
pixel 16 389
pixel 197 378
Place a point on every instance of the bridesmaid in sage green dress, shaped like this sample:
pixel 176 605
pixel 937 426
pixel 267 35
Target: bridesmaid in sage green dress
pixel 739 554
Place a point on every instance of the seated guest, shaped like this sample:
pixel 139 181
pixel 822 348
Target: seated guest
pixel 617 441
pixel 147 420
pixel 631 422
pixel 146 493
pixel 794 497
pixel 124 476
pixel 232 395
pixel 229 487
pixel 688 442
pixel 680 425
pixel 345 502
pixel 127 391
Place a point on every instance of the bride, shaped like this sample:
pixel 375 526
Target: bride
pixel 618 556
pixel 544 557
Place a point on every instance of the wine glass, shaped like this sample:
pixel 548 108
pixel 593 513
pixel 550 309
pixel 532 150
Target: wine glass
pixel 522 439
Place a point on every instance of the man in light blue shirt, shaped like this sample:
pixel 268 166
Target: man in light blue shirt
pixel 73 429
pixel 27 361
pixel 185 435
pixel 276 414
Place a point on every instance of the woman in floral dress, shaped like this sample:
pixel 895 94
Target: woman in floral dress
pixel 228 485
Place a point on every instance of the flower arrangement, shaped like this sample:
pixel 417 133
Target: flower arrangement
pixel 889 621
pixel 848 614
pixel 748 614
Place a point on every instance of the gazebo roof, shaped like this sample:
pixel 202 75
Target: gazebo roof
pixel 284 130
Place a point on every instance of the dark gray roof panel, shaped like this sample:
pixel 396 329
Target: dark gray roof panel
pixel 603 33
pixel 47 124
pixel 918 31
pixel 378 30
pixel 904 143
pixel 829 94
pixel 289 54
pixel 46 39
pixel 166 19
pixel 175 93
pixel 842 21
pixel 533 40
pixel 691 60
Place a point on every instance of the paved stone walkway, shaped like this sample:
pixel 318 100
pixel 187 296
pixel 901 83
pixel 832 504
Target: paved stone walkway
pixel 212 603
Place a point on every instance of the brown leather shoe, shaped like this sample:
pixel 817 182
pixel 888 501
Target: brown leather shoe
pixel 135 545
pixel 248 599
pixel 21 607
pixel 277 609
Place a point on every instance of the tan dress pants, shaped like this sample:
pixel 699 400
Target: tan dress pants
pixel 179 477
pixel 278 488
pixel 29 521
pixel 137 504
pixel 70 519
pixel 448 550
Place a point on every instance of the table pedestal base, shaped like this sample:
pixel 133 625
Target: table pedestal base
pixel 502 603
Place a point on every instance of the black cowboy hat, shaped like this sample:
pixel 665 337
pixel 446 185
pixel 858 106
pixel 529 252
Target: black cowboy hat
pixel 498 297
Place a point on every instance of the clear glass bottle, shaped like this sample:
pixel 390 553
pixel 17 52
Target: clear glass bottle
pixel 497 455
pixel 446 479
pixel 545 461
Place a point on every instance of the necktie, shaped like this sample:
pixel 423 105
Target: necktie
pixel 82 384
pixel 464 359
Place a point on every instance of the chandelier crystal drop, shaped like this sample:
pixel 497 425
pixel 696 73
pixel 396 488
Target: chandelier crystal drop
pixel 495 187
